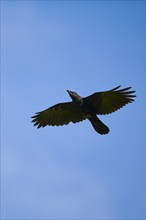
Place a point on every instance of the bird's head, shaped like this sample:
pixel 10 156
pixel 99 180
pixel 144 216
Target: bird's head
pixel 74 96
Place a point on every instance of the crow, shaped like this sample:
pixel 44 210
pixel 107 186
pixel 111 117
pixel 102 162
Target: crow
pixel 79 109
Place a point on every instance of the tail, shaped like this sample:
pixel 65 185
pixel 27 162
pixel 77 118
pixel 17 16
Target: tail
pixel 98 125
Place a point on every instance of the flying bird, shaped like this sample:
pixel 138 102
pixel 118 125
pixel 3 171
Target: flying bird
pixel 79 109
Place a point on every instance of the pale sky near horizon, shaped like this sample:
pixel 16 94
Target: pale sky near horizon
pixel 71 172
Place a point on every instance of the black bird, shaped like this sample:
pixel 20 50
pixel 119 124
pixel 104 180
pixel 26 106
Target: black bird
pixel 99 103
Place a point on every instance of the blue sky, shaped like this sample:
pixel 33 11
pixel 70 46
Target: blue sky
pixel 71 172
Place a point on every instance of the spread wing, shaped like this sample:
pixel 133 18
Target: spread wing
pixel 60 114
pixel 110 101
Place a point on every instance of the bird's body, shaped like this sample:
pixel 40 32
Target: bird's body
pixel 99 103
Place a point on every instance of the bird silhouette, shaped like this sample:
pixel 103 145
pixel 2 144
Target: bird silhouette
pixel 79 109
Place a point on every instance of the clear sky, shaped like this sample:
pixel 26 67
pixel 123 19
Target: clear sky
pixel 71 172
